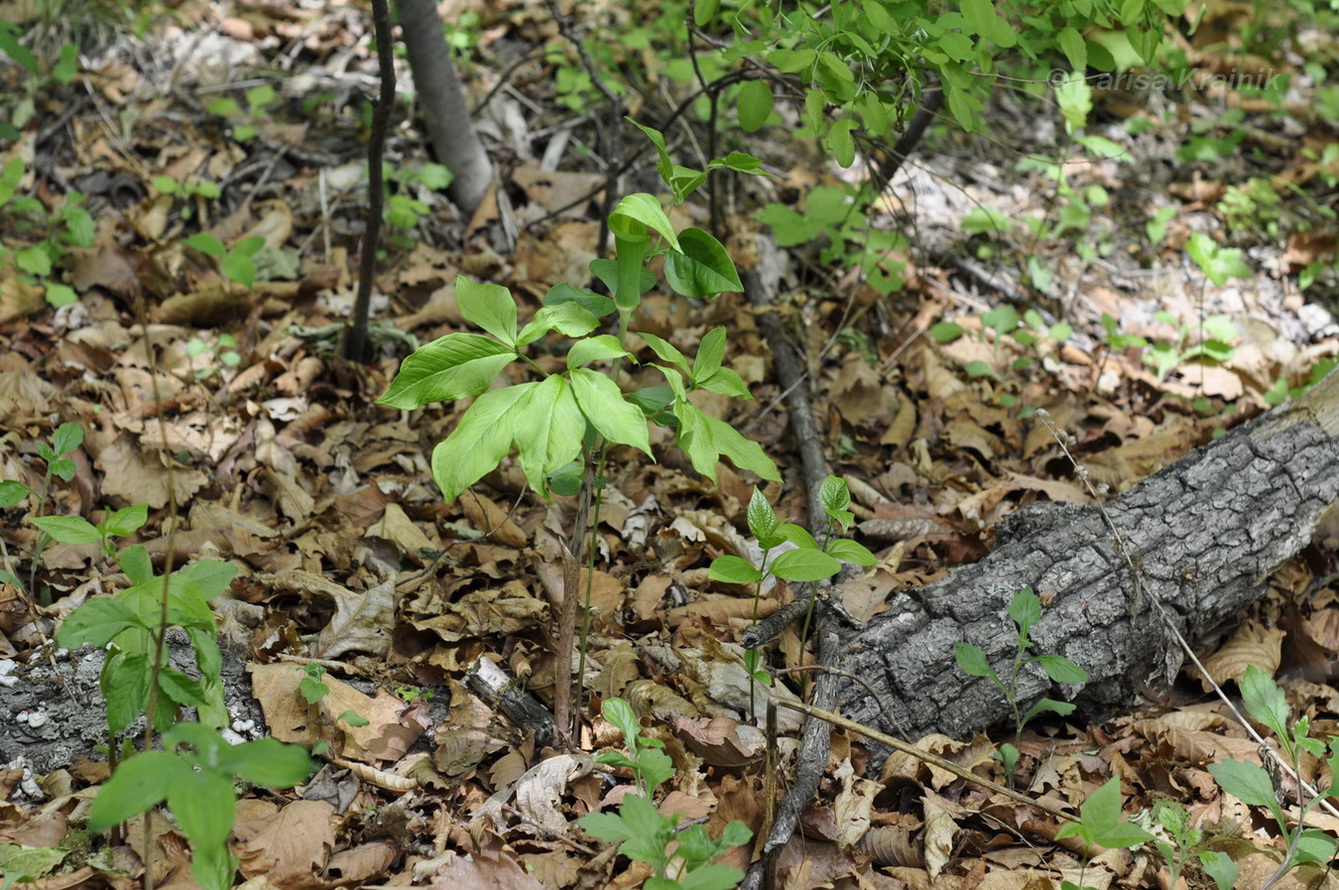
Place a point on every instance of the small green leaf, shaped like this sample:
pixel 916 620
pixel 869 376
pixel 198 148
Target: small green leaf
pixel 646 210
pixel 1219 866
pixel 852 552
pixel 127 520
pixel 602 402
pixel 97 621
pixel 1062 670
pixel 67 529
pixel 730 569
pixel 702 268
pixel 478 443
pixel 12 492
pixel 603 347
pixel 452 367
pixel 1264 700
pixel 1245 781
pixel 139 783
pixel 207 244
pixel 490 306
pixel 667 352
pixel 972 660
pixel 67 438
pixel 1025 609
pixel 804 565
pixel 761 516
pixel 754 105
pixel 571 319
pixel 548 427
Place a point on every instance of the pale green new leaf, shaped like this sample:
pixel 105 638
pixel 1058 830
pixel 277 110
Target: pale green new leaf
pixel 706 439
pixel 725 382
pixel 548 427
pixel 452 367
pixel 755 105
pixel 490 306
pixel 602 402
pixel 97 621
pixel 703 268
pixel 592 349
pixel 1264 700
pixel 852 552
pixel 203 806
pixel 646 209
pixel 761 517
pixel 479 442
pixel 570 318
pixel 667 352
pixel 731 569
pixel 710 351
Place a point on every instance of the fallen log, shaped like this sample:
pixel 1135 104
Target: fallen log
pixel 1202 537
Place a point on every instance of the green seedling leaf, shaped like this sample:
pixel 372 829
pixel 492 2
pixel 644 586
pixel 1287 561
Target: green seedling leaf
pixel 207 244
pixel 1247 782
pixel 98 621
pixel 701 269
pixel 761 518
pixel 18 862
pixel 1101 822
pixel 1002 319
pixel 621 715
pixel 852 552
pixel 34 260
pixel 180 688
pixel 1063 708
pixel 946 331
pixel 571 319
pixel 646 210
pixel 67 438
pixel 804 565
pixel 478 443
pixel 353 718
pixel 754 105
pixel 67 529
pixel 435 176
pixel 797 535
pixel 973 661
pixel 139 783
pixel 1061 669
pixel 548 428
pixel 491 307
pixel 603 347
pixel 725 382
pixel 602 402
pixel 733 570
pixel 313 691
pixel 975 369
pixel 452 367
pixel 835 498
pixel 1025 610
pixel 1220 867
pixel 12 492
pixel 985 220
pixel 268 763
pixel 126 521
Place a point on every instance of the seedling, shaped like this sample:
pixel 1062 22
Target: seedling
pixel 1025 610
pixel 1100 825
pixel 679 859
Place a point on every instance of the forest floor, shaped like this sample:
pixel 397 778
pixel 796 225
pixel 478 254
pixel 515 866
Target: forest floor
pixel 229 417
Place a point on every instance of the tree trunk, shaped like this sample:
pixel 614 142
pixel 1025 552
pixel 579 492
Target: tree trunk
pixel 444 106
pixel 1204 535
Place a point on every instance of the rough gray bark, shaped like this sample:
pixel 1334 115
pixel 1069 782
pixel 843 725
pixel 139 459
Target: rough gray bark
pixel 1205 533
pixel 444 107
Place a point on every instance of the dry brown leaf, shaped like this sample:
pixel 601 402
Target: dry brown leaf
pixel 297 840
pixel 1251 644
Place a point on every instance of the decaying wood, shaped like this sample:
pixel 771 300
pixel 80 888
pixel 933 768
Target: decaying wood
pixel 1204 535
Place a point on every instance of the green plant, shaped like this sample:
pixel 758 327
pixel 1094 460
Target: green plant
pixel 1025 610
pixel 237 263
pixel 193 192
pixel 224 354
pixel 64 441
pixel 243 120
pixel 1179 841
pixel 1217 333
pixel 42 72
pixel 1028 332
pixel 680 859
pixel 807 560
pixel 55 232
pixel 1100 825
pixel 195 774
pixel 403 212
pixel 1254 786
